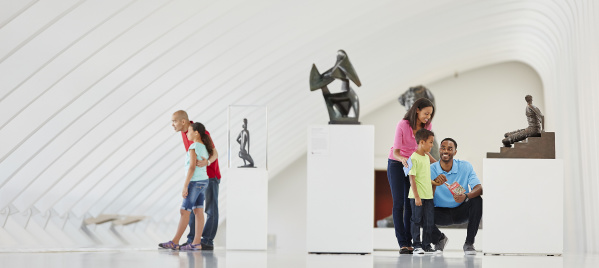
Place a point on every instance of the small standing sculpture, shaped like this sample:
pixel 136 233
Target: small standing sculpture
pixel 340 104
pixel 536 125
pixel 244 141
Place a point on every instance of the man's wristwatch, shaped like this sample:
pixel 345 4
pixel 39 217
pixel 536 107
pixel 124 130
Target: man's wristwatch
pixel 466 199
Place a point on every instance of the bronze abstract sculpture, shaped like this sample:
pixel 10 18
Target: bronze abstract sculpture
pixel 339 105
pixel 536 125
pixel 244 142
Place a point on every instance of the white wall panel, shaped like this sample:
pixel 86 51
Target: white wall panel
pixel 31 22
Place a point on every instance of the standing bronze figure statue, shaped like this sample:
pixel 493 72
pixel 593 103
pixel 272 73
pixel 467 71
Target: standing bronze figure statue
pixel 536 125
pixel 340 104
pixel 244 146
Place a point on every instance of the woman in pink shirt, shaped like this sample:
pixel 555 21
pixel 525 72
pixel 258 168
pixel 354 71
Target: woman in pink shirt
pixel 419 116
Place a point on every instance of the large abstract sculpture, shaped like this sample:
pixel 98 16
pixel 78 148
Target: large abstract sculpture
pixel 244 146
pixel 408 98
pixel 339 105
pixel 536 124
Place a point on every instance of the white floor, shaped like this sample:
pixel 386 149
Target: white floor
pixel 115 258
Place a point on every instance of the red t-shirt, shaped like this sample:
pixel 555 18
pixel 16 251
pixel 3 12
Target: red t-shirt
pixel 212 170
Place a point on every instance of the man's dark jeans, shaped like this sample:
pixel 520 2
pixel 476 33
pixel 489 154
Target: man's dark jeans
pixel 211 209
pixel 402 212
pixel 471 212
pixel 422 216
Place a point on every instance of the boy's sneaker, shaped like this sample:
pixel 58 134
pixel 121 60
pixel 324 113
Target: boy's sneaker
pixel 442 242
pixel 430 250
pixel 405 250
pixel 469 249
pixel 418 251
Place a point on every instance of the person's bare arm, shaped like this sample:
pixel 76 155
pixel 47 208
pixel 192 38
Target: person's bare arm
pixel 190 171
pixel 417 199
pixel 432 159
pixel 400 158
pixel 476 191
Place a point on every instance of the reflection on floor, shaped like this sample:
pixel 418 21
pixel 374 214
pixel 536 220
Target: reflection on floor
pixel 137 257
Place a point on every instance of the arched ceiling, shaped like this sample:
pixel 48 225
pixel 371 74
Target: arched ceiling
pixel 88 87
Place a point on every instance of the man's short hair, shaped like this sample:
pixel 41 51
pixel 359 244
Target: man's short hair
pixel 452 140
pixel 423 134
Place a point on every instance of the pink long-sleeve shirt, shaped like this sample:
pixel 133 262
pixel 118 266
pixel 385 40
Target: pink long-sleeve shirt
pixel 405 140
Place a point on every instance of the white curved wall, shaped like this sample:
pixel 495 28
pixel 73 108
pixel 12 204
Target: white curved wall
pixel 88 87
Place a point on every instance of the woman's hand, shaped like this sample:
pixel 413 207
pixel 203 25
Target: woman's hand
pixel 398 157
pixel 404 161
pixel 184 192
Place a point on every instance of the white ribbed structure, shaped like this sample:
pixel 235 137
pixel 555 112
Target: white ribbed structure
pixel 87 89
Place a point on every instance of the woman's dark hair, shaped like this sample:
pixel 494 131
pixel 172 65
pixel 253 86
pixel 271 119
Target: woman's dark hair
pixel 412 115
pixel 199 127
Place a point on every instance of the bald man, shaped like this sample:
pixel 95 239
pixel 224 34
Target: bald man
pixel 181 122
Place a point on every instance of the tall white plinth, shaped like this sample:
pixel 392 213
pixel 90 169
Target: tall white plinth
pixel 247 204
pixel 523 206
pixel 340 216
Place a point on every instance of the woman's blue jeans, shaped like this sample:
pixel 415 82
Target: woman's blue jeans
pixel 402 212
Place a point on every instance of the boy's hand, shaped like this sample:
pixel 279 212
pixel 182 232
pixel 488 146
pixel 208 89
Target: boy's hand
pixel 418 202
pixel 202 163
pixel 184 192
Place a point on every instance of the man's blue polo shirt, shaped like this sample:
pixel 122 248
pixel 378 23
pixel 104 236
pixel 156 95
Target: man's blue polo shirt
pixel 462 172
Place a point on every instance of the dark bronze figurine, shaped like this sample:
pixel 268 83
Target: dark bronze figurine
pixel 244 142
pixel 536 125
pixel 340 104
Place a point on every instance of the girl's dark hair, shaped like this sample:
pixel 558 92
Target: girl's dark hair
pixel 412 115
pixel 199 127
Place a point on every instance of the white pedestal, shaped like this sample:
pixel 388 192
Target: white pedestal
pixel 523 206
pixel 247 207
pixel 340 216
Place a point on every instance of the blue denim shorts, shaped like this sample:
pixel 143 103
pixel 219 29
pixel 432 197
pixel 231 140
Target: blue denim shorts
pixel 196 193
